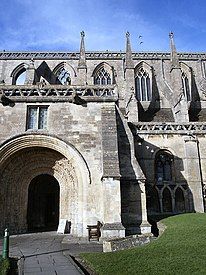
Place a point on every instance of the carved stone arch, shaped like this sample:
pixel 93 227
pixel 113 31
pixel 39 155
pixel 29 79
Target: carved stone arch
pixel 17 71
pixel 36 140
pixel 165 150
pixel 27 156
pixel 108 68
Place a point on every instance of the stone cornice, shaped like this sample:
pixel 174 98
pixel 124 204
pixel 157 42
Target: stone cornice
pixel 168 128
pixel 96 55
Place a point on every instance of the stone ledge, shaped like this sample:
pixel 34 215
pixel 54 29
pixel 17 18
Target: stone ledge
pixel 127 242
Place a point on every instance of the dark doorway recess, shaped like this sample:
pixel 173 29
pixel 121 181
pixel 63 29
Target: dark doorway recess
pixel 43 204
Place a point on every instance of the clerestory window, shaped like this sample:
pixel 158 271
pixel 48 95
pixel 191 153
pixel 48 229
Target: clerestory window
pixel 102 77
pixel 143 85
pixel 186 86
pixel 20 77
pixel 63 77
pixel 37 117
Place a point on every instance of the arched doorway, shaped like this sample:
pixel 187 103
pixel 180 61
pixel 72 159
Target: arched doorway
pixel 43 204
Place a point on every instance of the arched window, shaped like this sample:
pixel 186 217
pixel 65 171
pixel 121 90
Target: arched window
pixel 166 200
pixel 20 77
pixel 163 166
pixel 63 76
pixel 102 77
pixel 153 204
pixel 143 85
pixel 179 201
pixel 186 86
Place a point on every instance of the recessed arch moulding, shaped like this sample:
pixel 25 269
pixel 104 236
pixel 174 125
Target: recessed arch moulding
pixel 25 157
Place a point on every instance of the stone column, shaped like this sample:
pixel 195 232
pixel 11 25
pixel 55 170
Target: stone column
pixel 112 209
pixel 194 172
pixel 145 227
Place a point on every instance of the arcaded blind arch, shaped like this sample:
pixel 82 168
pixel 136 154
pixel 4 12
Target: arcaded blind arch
pixel 103 75
pixel 143 83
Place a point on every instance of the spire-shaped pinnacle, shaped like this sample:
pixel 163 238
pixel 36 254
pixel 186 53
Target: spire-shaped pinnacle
pixel 128 59
pixel 82 56
pixel 174 57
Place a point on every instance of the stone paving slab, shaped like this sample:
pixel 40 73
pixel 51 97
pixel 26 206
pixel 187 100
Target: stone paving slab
pixel 43 253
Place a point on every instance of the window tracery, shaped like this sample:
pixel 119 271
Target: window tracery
pixel 143 85
pixel 102 77
pixel 64 77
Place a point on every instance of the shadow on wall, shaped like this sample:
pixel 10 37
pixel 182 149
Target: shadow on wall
pixel 44 71
pixel 195 103
pixel 167 190
pixel 131 209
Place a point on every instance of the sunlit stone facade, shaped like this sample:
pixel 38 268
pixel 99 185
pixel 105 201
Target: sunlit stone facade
pixel 114 137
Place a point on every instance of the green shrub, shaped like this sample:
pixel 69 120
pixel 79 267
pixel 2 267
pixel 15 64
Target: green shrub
pixel 4 266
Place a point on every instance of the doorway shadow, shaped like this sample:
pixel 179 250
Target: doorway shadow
pixel 43 204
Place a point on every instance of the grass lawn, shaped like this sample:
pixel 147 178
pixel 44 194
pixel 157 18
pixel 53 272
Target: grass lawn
pixel 180 250
pixel 4 266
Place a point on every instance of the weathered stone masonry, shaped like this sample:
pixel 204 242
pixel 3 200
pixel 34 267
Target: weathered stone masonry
pixel 121 134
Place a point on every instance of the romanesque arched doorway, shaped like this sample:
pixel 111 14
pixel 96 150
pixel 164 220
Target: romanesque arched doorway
pixel 43 203
pixel 28 158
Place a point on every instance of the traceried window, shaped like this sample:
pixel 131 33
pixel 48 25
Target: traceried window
pixel 102 77
pixel 143 85
pixel 186 86
pixel 163 167
pixel 63 77
pixel 37 117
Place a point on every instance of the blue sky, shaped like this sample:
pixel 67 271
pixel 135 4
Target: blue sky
pixel 55 25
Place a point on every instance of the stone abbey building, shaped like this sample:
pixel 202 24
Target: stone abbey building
pixel 115 137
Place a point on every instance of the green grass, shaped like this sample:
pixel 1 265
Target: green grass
pixel 180 250
pixel 4 266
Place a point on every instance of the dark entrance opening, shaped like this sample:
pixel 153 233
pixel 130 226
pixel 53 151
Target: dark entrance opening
pixel 43 204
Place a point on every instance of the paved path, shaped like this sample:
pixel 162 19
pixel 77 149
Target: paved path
pixel 43 253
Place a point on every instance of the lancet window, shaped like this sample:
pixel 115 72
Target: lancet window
pixel 186 86
pixel 19 77
pixel 143 85
pixel 102 77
